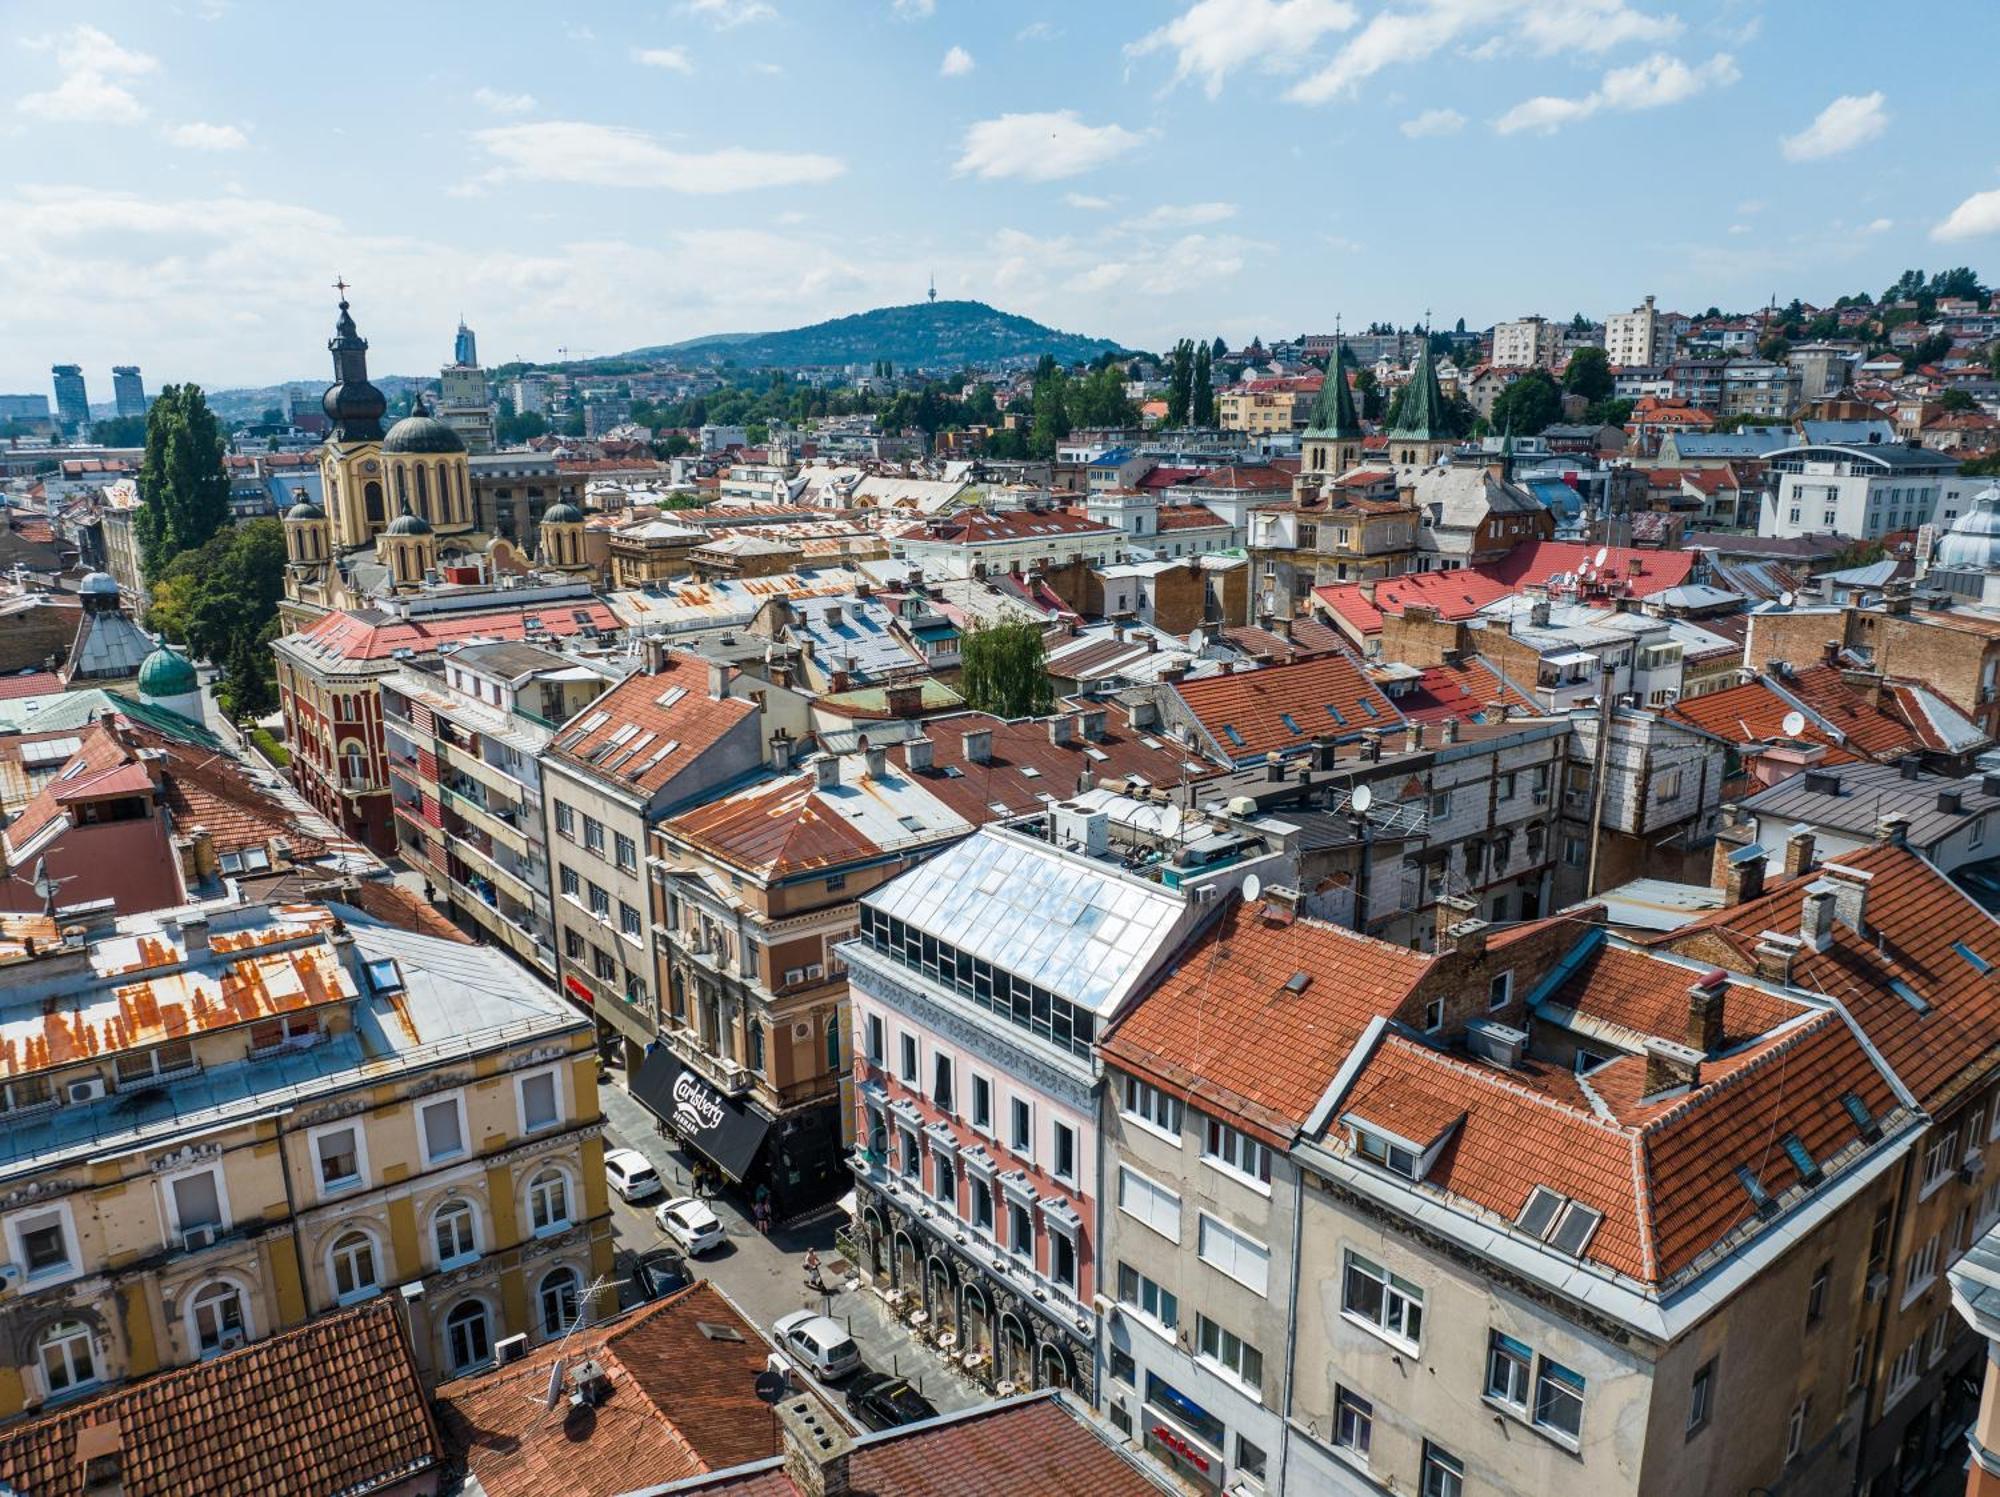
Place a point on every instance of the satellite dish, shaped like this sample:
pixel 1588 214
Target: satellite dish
pixel 1361 800
pixel 1603 555
pixel 1253 888
pixel 771 1386
pixel 1786 600
pixel 1794 724
pixel 553 1395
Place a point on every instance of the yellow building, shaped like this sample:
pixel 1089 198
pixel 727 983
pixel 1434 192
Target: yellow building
pixel 222 1123
pixel 1265 406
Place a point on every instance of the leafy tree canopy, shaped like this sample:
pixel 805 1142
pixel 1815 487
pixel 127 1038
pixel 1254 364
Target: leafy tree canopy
pixel 1002 670
pixel 183 490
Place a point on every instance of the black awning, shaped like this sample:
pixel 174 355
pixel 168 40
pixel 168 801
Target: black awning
pixel 720 1129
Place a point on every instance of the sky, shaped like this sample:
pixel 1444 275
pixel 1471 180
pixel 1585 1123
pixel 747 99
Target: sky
pixel 184 179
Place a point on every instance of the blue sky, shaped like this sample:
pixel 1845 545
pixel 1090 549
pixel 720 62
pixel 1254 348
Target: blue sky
pixel 184 180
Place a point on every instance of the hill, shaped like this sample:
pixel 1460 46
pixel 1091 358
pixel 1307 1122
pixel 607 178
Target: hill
pixel 934 335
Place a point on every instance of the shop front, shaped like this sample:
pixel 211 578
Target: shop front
pixel 795 1157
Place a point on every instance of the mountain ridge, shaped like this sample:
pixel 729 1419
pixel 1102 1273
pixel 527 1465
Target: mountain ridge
pixel 923 334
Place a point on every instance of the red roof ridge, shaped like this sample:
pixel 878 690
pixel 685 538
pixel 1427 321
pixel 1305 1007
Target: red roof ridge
pixel 1503 1081
pixel 1776 1043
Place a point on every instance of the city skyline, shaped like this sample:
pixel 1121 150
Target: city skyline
pixel 1139 172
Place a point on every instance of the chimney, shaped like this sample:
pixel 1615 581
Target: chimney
pixel 1893 828
pixel 1448 730
pixel 817 1450
pixel 1742 874
pixel 826 772
pixel 194 934
pixel 1950 802
pixel 1538 614
pixel 1062 730
pixel 906 699
pixel 1413 738
pixel 1850 895
pixel 1452 910
pixel 1798 852
pixel 1092 722
pixel 656 654
pixel 832 616
pixel 1909 766
pixel 978 746
pixel 100 1456
pixel 1830 649
pixel 1669 1065
pixel 1775 954
pixel 917 753
pixel 720 674
pixel 1704 1018
pixel 878 762
pixel 1816 915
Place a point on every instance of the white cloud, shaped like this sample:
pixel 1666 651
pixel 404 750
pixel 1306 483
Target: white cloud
pixel 1657 81
pixel 1185 215
pixel 727 13
pixel 1043 147
pixel 1038 31
pixel 1395 38
pixel 1086 202
pixel 957 63
pixel 198 136
pixel 1879 226
pixel 1975 218
pixel 1739 228
pixel 1849 121
pixel 674 59
pixel 87 91
pixel 499 103
pixel 1433 122
pixel 1213 38
pixel 914 10
pixel 609 156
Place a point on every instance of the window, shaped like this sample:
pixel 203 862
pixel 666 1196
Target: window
pixel 215 1316
pixel 548 1202
pixel 1700 1394
pixel 1500 991
pixel 1137 1292
pixel 558 1297
pixel 1233 1150
pixel 756 1033
pixel 627 853
pixel 1021 1130
pixel 1353 1423
pixel 1062 1260
pixel 68 1357
pixel 197 1201
pixel 1383 1301
pixel 135 1068
pixel 1434 1016
pixel 1816 1294
pixel 941 1081
pixel 338 1150
pixel 572 886
pixel 1064 1167
pixel 593 835
pixel 353 1259
pixel 1559 1400
pixel 443 1127
pixel 1021 1233
pixel 1857 1363
pixel 1443 1474
pixel 982 1204
pixel 1152 1106
pixel 909 1071
pixel 1225 1249
pixel 540 1107
pixel 566 820
pixel 628 921
pixel 468 1336
pixel 1940 1159
pixel 1922 1269
pixel 1126 1371
pixel 1230 1352
pixel 833 1042
pixel 455 1232
pixel 944 1182
pixel 600 902
pixel 1507 1366
pixel 876 1043
pixel 1250 1459
pixel 982 1104
pixel 1795 1430
pixel 913 1157
pixel 1392 1157
pixel 1150 1202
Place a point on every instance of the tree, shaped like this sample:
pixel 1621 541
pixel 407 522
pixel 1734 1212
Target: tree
pixel 220 600
pixel 1611 412
pixel 271 416
pixel 1218 349
pixel 1588 374
pixel 1368 391
pixel 119 431
pixel 1202 409
pixel 1957 400
pixel 1099 399
pixel 1002 672
pixel 1958 281
pixel 1180 383
pixel 183 490
pixel 1931 349
pixel 1527 406
pixel 511 428
pixel 1051 407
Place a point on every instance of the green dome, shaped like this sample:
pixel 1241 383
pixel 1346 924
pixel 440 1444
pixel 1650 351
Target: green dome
pixel 166 673
pixel 562 514
pixel 408 523
pixel 305 509
pixel 420 431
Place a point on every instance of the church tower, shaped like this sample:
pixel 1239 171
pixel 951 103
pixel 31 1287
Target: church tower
pixel 562 539
pixel 350 462
pixel 308 551
pixel 408 549
pixel 1425 432
pixel 1332 440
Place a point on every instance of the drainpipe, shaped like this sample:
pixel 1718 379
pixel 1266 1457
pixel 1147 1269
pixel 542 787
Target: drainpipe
pixel 1291 1329
pixel 292 1213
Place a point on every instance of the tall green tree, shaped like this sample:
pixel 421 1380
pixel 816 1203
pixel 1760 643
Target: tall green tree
pixel 1201 407
pixel 1052 422
pixel 1528 405
pixel 1002 670
pixel 183 490
pixel 1180 383
pixel 220 601
pixel 1588 374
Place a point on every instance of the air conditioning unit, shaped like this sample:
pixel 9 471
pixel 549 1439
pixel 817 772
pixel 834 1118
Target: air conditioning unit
pixel 194 1239
pixel 510 1349
pixel 230 1341
pixel 87 1090
pixel 1878 1285
pixel 1971 1167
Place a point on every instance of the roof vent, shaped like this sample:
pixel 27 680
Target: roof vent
pixel 1502 1044
pixel 1298 982
pixel 1950 802
pixel 1821 782
pixel 826 772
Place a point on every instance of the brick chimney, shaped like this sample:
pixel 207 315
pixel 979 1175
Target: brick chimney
pixel 817 1450
pixel 978 746
pixel 1413 737
pixel 1893 828
pixel 1850 895
pixel 1451 910
pixel 1742 873
pixel 1776 952
pixel 1092 724
pixel 1669 1065
pixel 656 655
pixel 1816 915
pixel 1704 1016
pixel 1798 852
pixel 1062 730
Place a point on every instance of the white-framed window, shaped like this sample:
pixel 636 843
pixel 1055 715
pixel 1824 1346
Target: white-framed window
pixel 566 820
pixel 982 1203
pixel 1145 1297
pixel 1940 1159
pixel 942 1090
pixel 877 1046
pixel 1231 1149
pixel 1153 1106
pixel 1434 1016
pixel 1559 1400
pixel 43 1243
pixel 1795 1430
pixel 1353 1424
pixel 217 1318
pixel 1148 1201
pixel 908 1056
pixel 982 1103
pixel 195 1199
pixel 1500 991
pixel 1384 1302
pixel 1701 1396
pixel 1508 1365
pixel 1062 1260
pixel 548 1202
pixel 468 1336
pixel 441 1127
pixel 1227 1352
pixel 628 852
pixel 339 1156
pixel 455 1233
pixel 1020 1231
pixel 558 1297
pixel 1443 1473
pixel 67 1354
pixel 352 1267
pixel 539 1096
pixel 1391 1156
pixel 1229 1251
pixel 1021 1127
pixel 1921 1271
pixel 593 835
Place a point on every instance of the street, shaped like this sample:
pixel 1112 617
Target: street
pixel 765 1275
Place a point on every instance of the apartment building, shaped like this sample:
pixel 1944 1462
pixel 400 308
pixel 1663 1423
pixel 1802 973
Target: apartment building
pixel 261 1114
pixel 666 736
pixel 463 740
pixel 1527 343
pixel 1639 338
pixel 988 543
pixel 1864 492
pixel 1647 805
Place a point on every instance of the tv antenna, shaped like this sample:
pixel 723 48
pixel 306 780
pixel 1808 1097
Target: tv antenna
pixel 551 1395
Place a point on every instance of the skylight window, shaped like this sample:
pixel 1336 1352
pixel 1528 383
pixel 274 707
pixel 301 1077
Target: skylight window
pixel 1863 1119
pixel 671 695
pixel 1541 1209
pixel 1334 713
pixel 1370 708
pixel 384 976
pixel 1909 995
pixel 1802 1160
pixel 1286 719
pixel 1973 959
pixel 1574 1229
pixel 1229 732
pixel 1029 772
pixel 1754 1188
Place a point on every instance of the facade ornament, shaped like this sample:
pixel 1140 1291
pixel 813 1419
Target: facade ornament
pixel 333 1112
pixel 540 1055
pixel 439 1081
pixel 186 1156
pixel 28 1193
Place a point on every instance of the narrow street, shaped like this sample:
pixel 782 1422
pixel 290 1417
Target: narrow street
pixel 765 1276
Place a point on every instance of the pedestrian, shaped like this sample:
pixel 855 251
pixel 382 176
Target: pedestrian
pixel 812 1268
pixel 762 1212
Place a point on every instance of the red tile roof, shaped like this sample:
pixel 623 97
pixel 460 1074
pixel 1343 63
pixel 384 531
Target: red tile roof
pixel 1308 636
pixel 980 527
pixel 1457 594
pixel 1627 569
pixel 1752 713
pixel 372 635
pixel 1328 696
pixel 645 730
pixel 29 684
pixel 774 830
pixel 335 1406
pixel 1867 727
pixel 1263 478
pixel 1460 691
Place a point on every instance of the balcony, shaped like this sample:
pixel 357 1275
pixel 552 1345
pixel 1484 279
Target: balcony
pixel 503 829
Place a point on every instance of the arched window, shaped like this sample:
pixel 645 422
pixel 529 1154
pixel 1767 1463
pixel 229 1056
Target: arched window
pixel 833 1043
pixel 354 1266
pixel 371 498
pixel 216 1319
pixel 548 1201
pixel 68 1356
pixel 756 1046
pixel 455 1230
pixel 402 476
pixel 468 1336
pixel 423 504
pixel 558 1299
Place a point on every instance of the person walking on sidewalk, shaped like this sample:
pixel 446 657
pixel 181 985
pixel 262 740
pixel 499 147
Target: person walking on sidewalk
pixel 812 1271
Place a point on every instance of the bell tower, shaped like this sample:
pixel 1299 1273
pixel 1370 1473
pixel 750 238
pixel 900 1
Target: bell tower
pixel 350 462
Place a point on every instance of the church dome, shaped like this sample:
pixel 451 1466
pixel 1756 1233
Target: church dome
pixel 1973 542
pixel 305 509
pixel 420 431
pixel 167 673
pixel 352 404
pixel 408 523
pixel 562 514
pixel 98 585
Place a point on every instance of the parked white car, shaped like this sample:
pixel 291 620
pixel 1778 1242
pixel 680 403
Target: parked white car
pixel 632 1175
pixel 819 1341
pixel 690 1223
